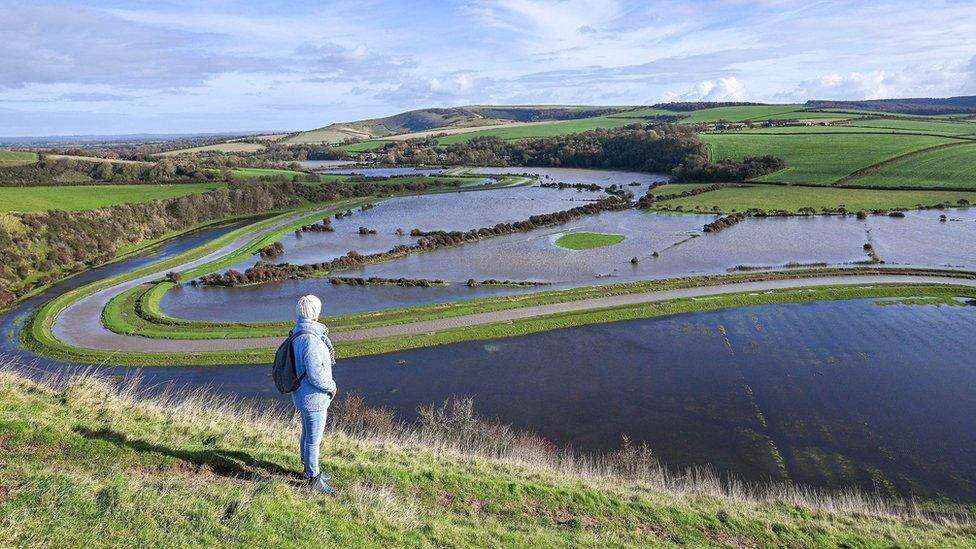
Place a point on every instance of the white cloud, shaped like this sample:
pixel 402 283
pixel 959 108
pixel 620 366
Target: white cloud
pixel 723 89
pixel 938 80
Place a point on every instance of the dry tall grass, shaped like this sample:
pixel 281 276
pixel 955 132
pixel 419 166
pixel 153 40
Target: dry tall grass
pixel 452 431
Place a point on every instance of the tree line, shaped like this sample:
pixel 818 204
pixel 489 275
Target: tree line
pixel 663 148
pixel 42 247
pixel 61 171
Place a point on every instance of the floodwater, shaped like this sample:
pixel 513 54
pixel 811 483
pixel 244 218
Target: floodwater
pixel 324 164
pixel 387 172
pixel 918 239
pixel 830 394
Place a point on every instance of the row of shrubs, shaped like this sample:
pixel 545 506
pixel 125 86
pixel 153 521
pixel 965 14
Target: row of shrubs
pixel 272 250
pixel 580 187
pixel 472 283
pixel 380 281
pixel 650 198
pixel 723 222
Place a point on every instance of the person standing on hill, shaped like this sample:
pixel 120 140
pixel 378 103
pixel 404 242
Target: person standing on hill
pixel 314 358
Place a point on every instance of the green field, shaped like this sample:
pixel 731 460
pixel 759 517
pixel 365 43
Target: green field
pixel 833 129
pixel 745 113
pixel 792 199
pixel 86 197
pixel 16 158
pixel 920 126
pixel 947 167
pixel 548 129
pixel 365 146
pixel 586 241
pixel 642 113
pixel 672 188
pixel 817 158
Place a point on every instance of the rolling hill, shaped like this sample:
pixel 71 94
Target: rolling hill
pixel 473 117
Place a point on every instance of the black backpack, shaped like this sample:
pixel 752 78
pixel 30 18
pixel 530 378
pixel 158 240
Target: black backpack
pixel 283 371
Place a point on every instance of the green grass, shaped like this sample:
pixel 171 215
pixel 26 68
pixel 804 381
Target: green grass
pixel 953 166
pixel 832 129
pixel 38 337
pixel 365 146
pixel 88 465
pixel 792 199
pixel 586 241
pixel 548 129
pixel 921 126
pixel 817 158
pixel 672 188
pixel 16 158
pixel 642 113
pixel 746 113
pixel 137 311
pixel 86 197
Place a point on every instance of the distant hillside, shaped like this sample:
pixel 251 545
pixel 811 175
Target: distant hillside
pixel 918 105
pixel 422 120
pixel 682 106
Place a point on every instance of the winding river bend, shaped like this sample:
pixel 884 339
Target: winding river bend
pixel 829 393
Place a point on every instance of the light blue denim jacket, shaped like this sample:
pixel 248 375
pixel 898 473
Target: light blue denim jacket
pixel 314 358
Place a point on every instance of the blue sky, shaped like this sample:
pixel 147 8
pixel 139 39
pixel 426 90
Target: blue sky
pixel 208 66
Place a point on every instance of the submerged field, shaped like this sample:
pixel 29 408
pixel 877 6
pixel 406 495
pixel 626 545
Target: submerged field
pixel 86 197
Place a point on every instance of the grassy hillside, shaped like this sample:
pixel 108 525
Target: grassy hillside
pixel 423 120
pixel 16 158
pixel 228 147
pixel 815 157
pixel 86 464
pixel 86 197
pixel 953 166
pixel 549 129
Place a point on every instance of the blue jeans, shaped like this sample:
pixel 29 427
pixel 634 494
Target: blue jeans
pixel 313 425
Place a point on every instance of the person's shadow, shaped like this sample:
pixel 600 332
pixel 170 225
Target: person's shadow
pixel 226 463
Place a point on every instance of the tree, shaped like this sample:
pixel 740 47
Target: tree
pixel 104 171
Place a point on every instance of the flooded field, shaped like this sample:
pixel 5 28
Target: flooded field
pixel 816 393
pixel 681 248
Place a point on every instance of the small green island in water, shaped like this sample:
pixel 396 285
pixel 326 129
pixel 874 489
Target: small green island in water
pixel 586 241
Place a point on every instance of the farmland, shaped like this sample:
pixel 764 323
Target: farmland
pixel 817 158
pixel 792 199
pixel 86 197
pixel 16 158
pixel 953 166
pixel 548 129
pixel 228 147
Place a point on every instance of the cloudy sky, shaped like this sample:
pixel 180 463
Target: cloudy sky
pixel 180 66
